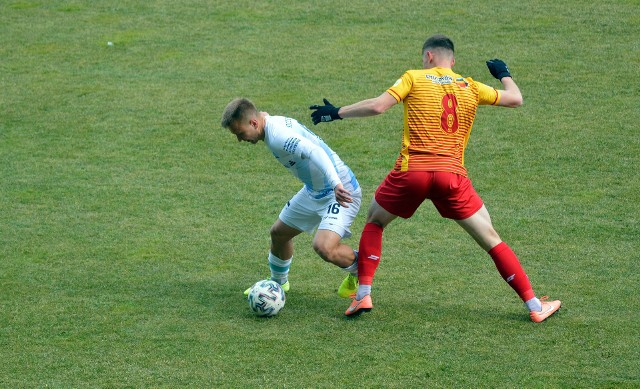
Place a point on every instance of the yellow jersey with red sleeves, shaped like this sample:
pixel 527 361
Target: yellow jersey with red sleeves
pixel 439 109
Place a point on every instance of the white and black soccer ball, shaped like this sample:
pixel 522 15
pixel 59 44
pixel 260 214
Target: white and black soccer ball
pixel 266 298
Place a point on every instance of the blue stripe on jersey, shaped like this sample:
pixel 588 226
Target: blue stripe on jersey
pixel 315 182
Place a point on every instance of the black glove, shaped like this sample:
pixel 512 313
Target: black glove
pixel 324 113
pixel 498 68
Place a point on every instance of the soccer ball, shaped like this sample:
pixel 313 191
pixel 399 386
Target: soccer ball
pixel 266 298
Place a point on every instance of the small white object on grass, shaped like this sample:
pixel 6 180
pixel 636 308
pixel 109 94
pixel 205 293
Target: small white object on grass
pixel 109 43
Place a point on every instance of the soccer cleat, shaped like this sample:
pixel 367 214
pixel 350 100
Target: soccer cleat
pixel 357 307
pixel 349 286
pixel 285 287
pixel 548 309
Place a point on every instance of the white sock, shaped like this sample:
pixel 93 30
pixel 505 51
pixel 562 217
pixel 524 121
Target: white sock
pixel 279 269
pixel 353 268
pixel 363 290
pixel 534 305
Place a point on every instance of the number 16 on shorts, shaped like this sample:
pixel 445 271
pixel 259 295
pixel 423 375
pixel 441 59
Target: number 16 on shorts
pixel 333 209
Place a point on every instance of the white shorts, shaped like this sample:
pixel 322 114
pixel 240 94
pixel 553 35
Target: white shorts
pixel 305 213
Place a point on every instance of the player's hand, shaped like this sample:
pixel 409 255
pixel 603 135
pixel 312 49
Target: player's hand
pixel 324 113
pixel 343 196
pixel 498 68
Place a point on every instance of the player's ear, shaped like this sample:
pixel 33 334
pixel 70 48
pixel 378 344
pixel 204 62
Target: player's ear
pixel 430 56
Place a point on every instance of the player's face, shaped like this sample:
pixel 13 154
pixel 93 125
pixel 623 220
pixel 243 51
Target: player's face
pixel 246 131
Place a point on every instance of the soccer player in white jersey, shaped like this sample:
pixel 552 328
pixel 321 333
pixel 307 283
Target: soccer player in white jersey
pixel 328 202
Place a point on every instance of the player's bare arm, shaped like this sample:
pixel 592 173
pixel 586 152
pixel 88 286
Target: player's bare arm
pixel 369 107
pixel 510 96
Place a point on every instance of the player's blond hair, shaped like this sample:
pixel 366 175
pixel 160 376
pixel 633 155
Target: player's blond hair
pixel 237 110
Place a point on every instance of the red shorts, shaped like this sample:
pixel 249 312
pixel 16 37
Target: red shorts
pixel 401 193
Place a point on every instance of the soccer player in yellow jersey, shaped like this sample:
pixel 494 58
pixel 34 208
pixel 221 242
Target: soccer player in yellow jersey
pixel 439 110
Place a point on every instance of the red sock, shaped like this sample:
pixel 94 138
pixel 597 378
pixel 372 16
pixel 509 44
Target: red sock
pixel 510 269
pixel 369 253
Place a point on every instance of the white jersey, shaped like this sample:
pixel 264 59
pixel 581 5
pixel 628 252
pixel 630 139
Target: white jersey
pixel 307 157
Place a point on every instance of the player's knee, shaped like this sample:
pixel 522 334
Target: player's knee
pixel 277 235
pixel 325 251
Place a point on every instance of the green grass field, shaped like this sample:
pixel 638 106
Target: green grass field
pixel 131 222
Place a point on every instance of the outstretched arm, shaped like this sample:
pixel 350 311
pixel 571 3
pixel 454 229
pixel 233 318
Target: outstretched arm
pixel 370 107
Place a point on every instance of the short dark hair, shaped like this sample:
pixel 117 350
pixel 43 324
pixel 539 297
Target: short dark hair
pixel 438 41
pixel 237 110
